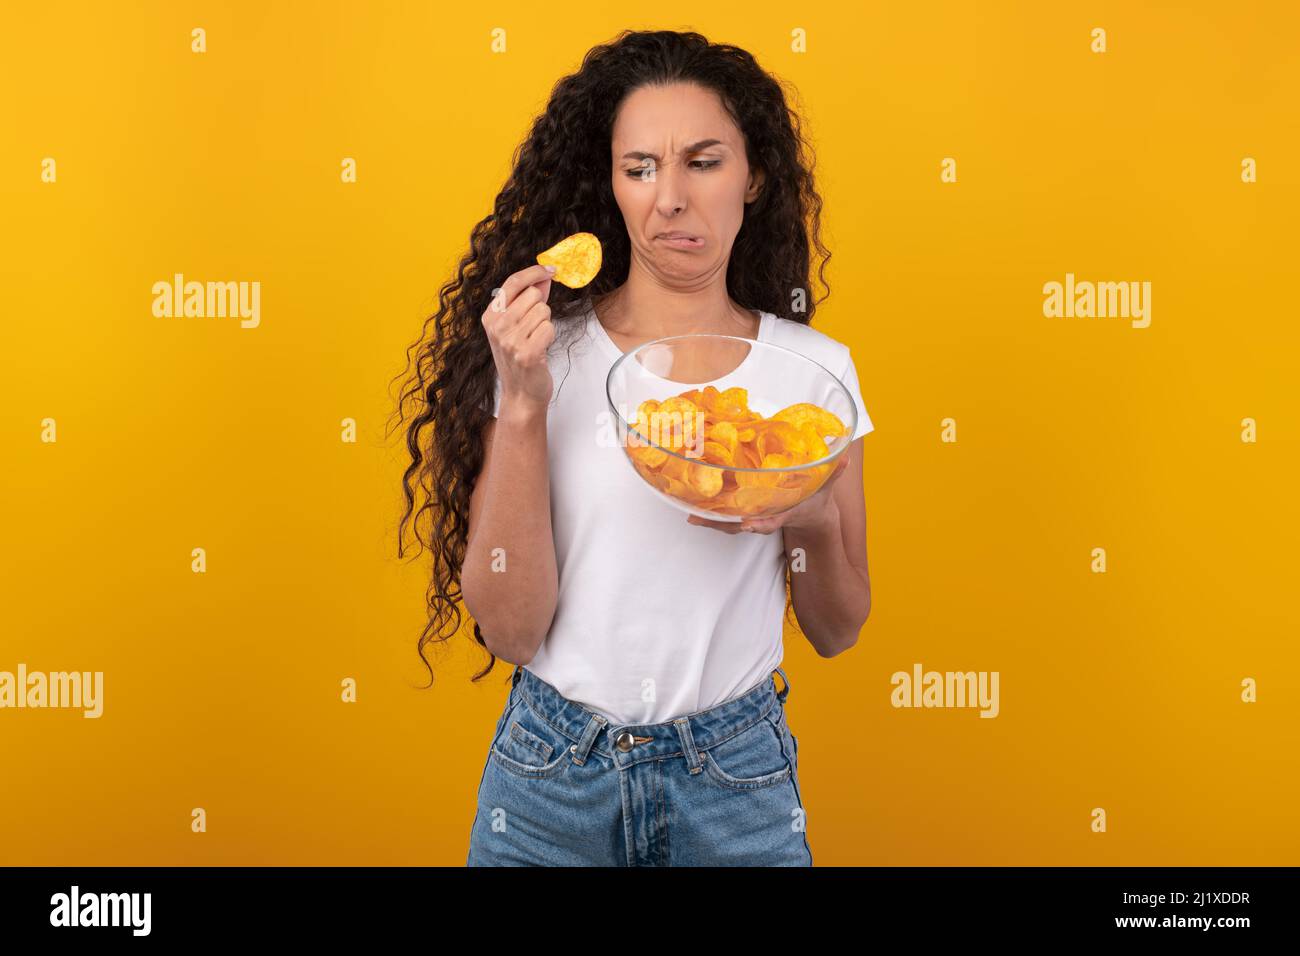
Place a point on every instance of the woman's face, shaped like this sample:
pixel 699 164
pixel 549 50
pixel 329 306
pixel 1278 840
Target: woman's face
pixel 679 166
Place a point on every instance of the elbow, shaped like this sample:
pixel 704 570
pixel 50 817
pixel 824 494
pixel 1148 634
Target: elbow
pixel 834 648
pixel 506 638
pixel 508 643
pixel 507 646
pixel 513 657
pixel 516 648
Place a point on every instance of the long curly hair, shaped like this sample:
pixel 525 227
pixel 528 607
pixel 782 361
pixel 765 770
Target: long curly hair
pixel 560 184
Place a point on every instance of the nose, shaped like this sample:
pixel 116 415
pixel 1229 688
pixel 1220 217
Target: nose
pixel 670 190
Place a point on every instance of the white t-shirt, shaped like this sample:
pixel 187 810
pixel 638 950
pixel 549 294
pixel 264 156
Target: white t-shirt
pixel 656 618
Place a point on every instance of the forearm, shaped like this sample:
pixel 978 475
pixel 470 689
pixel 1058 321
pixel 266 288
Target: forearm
pixel 831 597
pixel 509 580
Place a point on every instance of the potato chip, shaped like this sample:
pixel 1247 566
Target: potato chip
pixel 678 423
pixel 718 454
pixel 576 259
pixel 678 403
pixel 723 433
pixel 722 503
pixel 824 422
pixel 777 436
pixel 754 500
pixel 651 457
pixel 675 467
pixel 747 456
pixel 813 442
pixel 705 480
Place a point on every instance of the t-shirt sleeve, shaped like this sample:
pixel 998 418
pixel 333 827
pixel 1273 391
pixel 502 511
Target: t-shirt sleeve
pixel 850 379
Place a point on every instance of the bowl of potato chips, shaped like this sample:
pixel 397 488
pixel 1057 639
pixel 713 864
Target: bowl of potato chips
pixel 726 427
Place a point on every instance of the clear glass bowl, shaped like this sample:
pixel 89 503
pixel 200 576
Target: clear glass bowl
pixel 697 468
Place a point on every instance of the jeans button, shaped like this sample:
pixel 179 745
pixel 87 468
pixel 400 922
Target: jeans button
pixel 624 741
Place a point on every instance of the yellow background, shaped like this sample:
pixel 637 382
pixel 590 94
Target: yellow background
pixel 1118 690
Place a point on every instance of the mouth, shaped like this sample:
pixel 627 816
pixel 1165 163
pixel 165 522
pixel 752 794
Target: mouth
pixel 680 239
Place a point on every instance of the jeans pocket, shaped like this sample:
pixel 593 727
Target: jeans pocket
pixel 753 759
pixel 530 747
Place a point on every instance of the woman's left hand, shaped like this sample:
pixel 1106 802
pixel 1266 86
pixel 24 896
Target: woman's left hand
pixel 812 512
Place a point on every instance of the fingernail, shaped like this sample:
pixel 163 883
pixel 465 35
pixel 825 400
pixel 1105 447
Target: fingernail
pixel 550 269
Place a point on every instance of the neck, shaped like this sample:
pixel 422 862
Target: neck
pixel 647 307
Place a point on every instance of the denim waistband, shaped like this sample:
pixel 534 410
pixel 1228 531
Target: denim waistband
pixel 681 736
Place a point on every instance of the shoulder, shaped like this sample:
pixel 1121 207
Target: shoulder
pixel 808 341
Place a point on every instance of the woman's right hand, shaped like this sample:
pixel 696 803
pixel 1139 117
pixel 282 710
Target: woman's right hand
pixel 519 329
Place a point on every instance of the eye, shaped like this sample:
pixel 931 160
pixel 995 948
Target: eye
pixel 641 172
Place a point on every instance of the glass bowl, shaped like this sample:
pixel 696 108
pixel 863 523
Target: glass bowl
pixel 757 470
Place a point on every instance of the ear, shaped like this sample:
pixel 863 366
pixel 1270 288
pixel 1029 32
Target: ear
pixel 755 185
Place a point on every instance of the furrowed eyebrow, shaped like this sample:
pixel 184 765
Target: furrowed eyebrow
pixel 693 148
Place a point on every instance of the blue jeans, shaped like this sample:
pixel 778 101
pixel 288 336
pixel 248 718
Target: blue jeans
pixel 563 786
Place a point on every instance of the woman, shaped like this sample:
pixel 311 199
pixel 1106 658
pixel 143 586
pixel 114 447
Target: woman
pixel 643 724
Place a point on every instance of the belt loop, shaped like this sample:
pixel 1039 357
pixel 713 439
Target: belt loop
pixel 784 692
pixel 693 759
pixel 583 747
